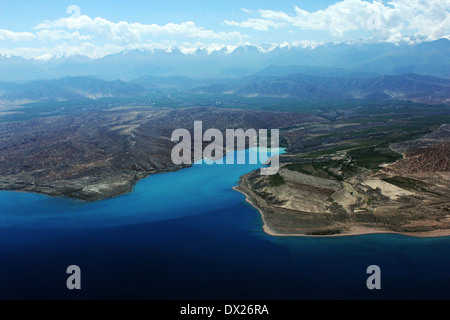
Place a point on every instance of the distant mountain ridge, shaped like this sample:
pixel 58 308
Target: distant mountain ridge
pixel 405 87
pixel 428 58
pixel 396 87
pixel 69 88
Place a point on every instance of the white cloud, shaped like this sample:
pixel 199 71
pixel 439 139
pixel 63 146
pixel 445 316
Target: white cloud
pixel 15 36
pixel 187 28
pixel 124 32
pixel 56 35
pixel 276 15
pixel 399 19
pixel 257 24
pixel 99 37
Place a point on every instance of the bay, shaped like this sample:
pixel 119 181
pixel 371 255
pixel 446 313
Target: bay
pixel 188 235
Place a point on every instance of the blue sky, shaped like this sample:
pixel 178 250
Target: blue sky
pixel 42 29
pixel 23 14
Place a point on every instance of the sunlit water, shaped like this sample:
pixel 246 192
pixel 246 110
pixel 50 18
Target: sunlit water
pixel 188 235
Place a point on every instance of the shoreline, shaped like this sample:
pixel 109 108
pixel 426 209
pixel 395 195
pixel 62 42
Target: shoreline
pixel 74 195
pixel 356 231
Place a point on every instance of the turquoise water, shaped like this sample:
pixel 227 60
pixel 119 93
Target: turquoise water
pixel 188 235
pixel 193 191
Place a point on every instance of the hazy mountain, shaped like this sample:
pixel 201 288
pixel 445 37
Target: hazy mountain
pixel 277 71
pixel 412 87
pixel 428 58
pixel 399 87
pixel 167 82
pixel 69 88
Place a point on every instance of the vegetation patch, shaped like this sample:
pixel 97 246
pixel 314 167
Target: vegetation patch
pixel 407 183
pixel 276 180
pixel 372 157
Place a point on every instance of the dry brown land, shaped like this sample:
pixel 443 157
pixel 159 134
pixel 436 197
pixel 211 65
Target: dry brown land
pixel 99 155
pixel 409 196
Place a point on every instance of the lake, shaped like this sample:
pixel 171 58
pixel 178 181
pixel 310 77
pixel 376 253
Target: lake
pixel 188 235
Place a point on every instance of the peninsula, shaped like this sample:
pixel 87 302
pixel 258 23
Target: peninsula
pixel 359 190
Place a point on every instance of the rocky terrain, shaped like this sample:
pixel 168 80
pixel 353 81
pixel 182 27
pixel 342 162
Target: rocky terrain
pixel 357 191
pixel 347 170
pixel 98 155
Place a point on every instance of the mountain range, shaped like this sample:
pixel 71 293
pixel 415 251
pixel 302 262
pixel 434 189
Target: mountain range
pixel 427 58
pixel 386 87
pixel 405 87
pixel 69 88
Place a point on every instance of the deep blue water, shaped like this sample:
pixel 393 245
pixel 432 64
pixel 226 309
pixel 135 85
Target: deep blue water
pixel 188 235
